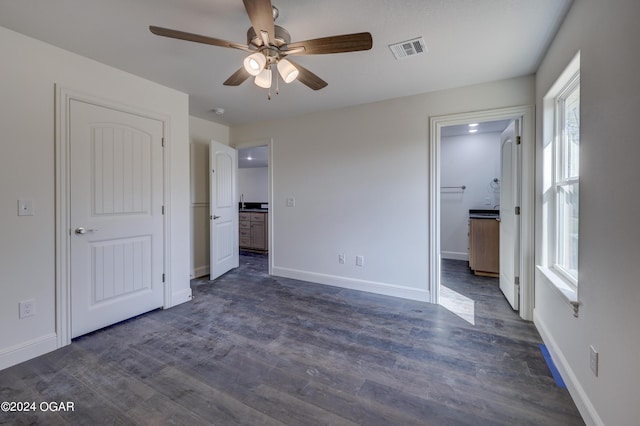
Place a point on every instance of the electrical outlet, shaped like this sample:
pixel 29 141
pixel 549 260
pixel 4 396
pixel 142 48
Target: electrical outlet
pixel 291 201
pixel 593 360
pixel 27 308
pixel 359 260
pixel 341 258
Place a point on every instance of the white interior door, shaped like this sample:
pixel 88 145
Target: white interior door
pixel 223 162
pixel 509 220
pixel 116 197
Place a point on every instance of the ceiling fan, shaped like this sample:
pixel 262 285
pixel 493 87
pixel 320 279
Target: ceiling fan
pixel 269 45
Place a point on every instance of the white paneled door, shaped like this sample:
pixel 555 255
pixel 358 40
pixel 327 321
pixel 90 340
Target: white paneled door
pixel 509 220
pixel 116 216
pixel 223 165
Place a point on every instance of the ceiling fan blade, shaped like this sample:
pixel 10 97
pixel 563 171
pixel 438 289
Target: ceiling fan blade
pixel 334 44
pixel 261 16
pixel 308 78
pixel 237 78
pixel 166 32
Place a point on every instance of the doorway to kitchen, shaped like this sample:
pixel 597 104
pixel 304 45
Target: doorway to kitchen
pixel 254 194
pixel 450 198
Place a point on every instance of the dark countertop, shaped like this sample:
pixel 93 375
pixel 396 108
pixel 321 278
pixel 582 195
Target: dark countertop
pixel 253 207
pixel 484 214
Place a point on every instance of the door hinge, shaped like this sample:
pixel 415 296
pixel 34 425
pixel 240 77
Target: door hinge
pixel 213 171
pixel 163 277
pixel 518 140
pixel 516 280
pixel 163 210
pixel 517 210
pixel 163 142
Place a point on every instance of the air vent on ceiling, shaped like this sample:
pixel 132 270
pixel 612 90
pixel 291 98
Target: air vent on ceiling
pixel 408 48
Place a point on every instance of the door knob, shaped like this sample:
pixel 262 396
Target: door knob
pixel 82 231
pixel 216 217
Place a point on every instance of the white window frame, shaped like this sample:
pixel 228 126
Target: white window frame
pixel 552 153
pixel 559 180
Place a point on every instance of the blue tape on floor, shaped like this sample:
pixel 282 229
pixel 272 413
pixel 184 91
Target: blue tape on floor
pixel 554 371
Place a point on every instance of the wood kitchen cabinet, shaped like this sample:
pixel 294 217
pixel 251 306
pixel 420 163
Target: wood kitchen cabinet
pixel 253 231
pixel 484 246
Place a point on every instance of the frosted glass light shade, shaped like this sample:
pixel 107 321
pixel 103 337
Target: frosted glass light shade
pixel 287 71
pixel 254 63
pixel 263 79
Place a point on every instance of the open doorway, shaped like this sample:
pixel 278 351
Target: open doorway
pixel 470 175
pixel 254 196
pixel 452 198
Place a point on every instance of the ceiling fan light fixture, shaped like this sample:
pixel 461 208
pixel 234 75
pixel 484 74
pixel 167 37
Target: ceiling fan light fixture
pixel 263 79
pixel 255 63
pixel 287 71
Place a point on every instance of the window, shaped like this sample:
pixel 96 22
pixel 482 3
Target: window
pixel 561 192
pixel 566 186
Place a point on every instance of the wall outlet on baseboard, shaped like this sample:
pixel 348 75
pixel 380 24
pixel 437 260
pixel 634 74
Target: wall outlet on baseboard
pixel 593 360
pixel 27 308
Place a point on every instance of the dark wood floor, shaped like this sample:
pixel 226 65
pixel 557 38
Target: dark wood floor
pixel 258 350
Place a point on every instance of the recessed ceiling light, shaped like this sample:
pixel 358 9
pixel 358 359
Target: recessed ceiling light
pixel 473 130
pixel 473 125
pixel 249 158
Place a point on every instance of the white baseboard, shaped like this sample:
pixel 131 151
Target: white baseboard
pixel 28 350
pixel 454 255
pixel 354 284
pixel 200 271
pixel 582 401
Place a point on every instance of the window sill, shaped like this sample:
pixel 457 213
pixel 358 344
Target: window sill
pixel 566 291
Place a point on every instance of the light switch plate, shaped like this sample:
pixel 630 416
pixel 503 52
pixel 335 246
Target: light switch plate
pixel 25 207
pixel 593 360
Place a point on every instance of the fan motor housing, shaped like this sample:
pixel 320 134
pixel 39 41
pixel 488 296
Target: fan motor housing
pixel 282 37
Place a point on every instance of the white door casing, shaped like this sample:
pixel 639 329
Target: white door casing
pixel 116 215
pixel 223 165
pixel 527 197
pixel 509 220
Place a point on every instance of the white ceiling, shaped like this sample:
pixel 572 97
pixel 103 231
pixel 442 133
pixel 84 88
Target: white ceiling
pixel 256 156
pixel 468 42
pixel 497 126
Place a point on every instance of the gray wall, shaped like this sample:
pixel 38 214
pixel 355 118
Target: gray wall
pixel 607 35
pixel 360 177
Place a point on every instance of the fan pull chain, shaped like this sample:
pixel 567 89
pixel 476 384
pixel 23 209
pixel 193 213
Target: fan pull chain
pixel 277 83
pixel 269 95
